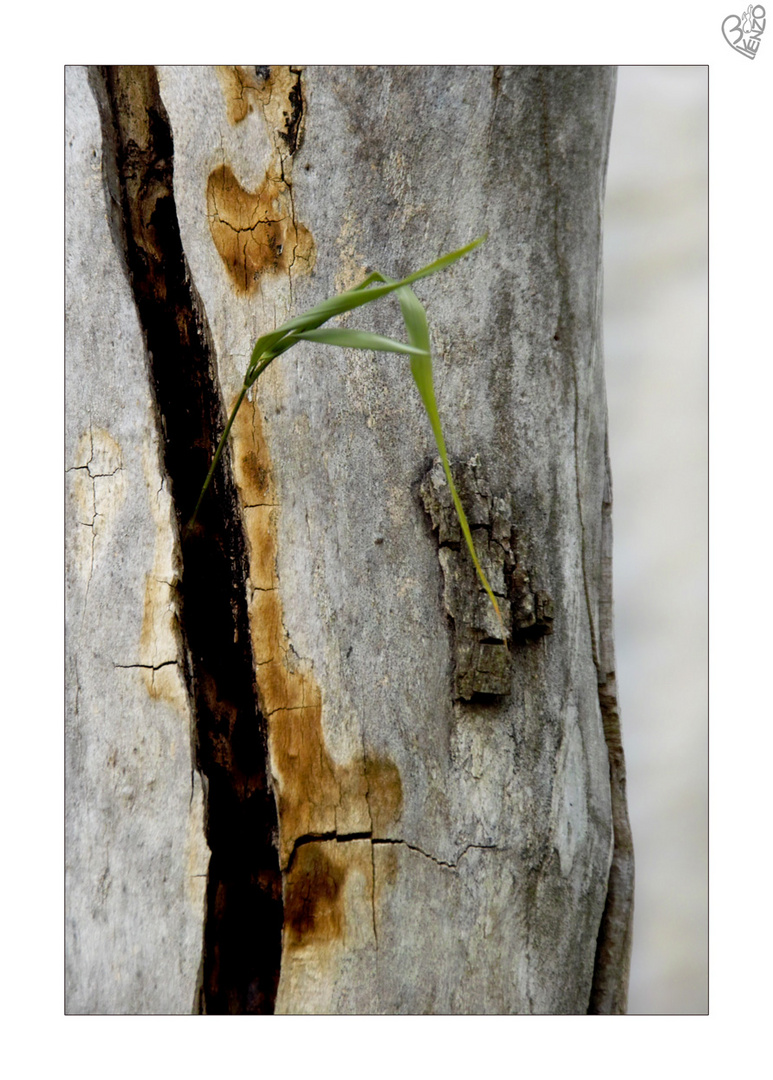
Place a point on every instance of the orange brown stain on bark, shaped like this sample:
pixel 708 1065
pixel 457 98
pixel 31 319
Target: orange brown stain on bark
pixel 256 232
pixel 161 682
pixel 316 796
pixel 277 91
pixel 241 88
pixel 313 897
pixel 155 598
pixel 385 793
pixel 328 883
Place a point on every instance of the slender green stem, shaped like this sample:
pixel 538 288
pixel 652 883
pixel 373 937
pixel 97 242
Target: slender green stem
pixel 466 529
pixel 428 395
pixel 218 452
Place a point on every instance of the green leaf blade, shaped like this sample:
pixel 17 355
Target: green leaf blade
pixel 415 319
pixel 356 339
pixel 348 301
pixel 307 327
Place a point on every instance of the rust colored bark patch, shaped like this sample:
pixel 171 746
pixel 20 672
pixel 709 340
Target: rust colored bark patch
pixel 256 232
pixel 277 91
pixel 313 907
pixel 328 898
pixel 317 797
pixel 242 88
pixel 385 793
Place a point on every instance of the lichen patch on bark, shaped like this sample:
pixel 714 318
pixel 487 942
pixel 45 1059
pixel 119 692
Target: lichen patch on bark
pixel 352 267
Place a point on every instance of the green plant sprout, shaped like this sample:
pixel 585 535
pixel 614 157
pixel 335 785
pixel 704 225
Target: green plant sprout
pixel 306 327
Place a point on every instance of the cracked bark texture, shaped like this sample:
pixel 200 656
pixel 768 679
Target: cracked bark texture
pixel 136 860
pixel 439 853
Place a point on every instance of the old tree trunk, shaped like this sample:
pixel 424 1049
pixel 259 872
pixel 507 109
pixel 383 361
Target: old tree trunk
pixel 303 772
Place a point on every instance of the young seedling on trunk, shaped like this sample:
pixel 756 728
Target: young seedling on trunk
pixel 310 327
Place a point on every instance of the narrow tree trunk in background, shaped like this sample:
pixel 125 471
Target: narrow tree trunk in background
pixel 403 814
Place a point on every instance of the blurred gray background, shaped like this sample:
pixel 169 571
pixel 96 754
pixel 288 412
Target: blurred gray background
pixel 656 342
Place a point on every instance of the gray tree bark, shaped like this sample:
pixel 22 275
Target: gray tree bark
pixel 404 812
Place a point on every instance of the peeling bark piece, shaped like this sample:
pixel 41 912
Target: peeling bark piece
pixel 482 657
pixel 533 608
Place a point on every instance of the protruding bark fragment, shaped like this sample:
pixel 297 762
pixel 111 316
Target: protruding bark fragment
pixel 482 654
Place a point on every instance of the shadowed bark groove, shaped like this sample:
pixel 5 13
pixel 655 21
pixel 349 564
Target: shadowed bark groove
pixel 609 993
pixel 242 935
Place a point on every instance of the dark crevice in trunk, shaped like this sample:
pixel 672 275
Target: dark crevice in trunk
pixel 242 937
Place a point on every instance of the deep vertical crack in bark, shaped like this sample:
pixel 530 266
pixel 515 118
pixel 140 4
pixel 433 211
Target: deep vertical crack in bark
pixel 243 927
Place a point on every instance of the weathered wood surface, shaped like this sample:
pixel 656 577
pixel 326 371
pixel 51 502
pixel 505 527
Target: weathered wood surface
pixel 439 853
pixel 136 858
